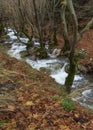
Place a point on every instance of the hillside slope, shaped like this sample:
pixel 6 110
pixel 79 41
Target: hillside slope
pixel 30 100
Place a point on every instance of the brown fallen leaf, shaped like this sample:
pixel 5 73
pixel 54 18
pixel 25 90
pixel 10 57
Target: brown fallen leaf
pixel 64 127
pixel 11 108
pixel 29 103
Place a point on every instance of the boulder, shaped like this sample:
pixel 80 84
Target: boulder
pixel 82 53
pixel 55 66
pixel 79 69
pixel 24 54
pixel 55 53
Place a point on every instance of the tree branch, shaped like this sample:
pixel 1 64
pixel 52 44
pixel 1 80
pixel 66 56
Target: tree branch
pixel 65 30
pixel 75 22
pixel 87 27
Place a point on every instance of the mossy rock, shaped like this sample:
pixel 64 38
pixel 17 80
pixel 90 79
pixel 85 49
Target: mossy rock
pixel 6 37
pixel 24 54
pixel 79 69
pixel 82 53
pixel 41 53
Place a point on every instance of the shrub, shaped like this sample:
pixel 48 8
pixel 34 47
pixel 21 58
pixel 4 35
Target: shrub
pixel 67 104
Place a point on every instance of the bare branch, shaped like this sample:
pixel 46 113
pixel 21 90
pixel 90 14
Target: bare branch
pixel 75 21
pixel 65 30
pixel 87 27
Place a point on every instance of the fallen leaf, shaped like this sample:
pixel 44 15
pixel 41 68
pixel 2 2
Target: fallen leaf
pixel 64 127
pixel 11 108
pixel 29 103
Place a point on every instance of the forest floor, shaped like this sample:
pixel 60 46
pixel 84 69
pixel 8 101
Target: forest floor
pixel 31 100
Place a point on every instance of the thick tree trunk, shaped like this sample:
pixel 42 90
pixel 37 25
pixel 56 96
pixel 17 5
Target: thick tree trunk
pixel 72 61
pixel 70 78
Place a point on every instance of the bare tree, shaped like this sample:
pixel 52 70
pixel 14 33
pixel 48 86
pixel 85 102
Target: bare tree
pixel 76 37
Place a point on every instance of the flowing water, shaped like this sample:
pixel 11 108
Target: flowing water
pixel 56 66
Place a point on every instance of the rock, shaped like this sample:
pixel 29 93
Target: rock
pixel 52 67
pixel 67 68
pixel 32 50
pixel 79 69
pixel 55 53
pixel 89 68
pixel 41 53
pixel 24 54
pixel 33 57
pixel 55 66
pixel 82 53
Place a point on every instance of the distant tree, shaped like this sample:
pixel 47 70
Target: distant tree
pixel 1 18
pixel 72 39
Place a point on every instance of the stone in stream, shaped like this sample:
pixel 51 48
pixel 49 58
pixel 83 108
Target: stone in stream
pixel 79 69
pixel 56 52
pixel 82 53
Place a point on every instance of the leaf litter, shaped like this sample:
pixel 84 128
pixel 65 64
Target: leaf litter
pixel 27 101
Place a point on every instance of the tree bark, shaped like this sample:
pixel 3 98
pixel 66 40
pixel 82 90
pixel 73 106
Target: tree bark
pixel 65 29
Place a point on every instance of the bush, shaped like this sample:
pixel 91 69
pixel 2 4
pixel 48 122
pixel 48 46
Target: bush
pixel 67 104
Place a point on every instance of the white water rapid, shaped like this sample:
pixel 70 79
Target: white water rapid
pixel 55 65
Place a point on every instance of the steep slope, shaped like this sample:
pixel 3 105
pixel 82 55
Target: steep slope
pixel 31 100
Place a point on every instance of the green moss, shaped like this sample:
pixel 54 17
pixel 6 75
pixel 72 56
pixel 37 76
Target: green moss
pixel 6 37
pixel 70 78
pixel 24 54
pixel 1 28
pixel 41 53
pixel 56 98
pixel 67 104
pixel 2 123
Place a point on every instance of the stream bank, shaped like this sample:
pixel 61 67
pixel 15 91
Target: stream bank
pixel 55 67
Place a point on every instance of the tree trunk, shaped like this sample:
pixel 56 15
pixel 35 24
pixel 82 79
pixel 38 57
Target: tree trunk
pixel 70 78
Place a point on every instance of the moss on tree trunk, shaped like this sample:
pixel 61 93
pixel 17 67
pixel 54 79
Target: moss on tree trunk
pixel 70 78
pixel 1 28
